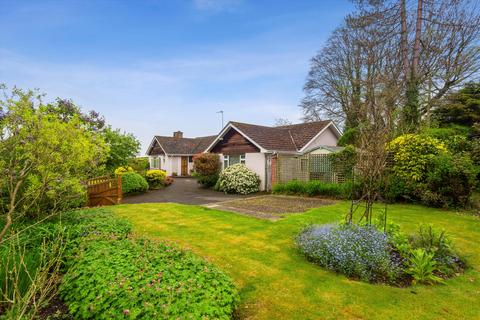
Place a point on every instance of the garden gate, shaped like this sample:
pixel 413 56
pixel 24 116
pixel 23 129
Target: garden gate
pixel 104 191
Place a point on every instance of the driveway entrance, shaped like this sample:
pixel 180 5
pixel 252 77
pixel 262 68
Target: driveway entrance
pixel 183 190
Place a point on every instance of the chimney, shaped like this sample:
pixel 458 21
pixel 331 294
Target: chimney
pixel 178 134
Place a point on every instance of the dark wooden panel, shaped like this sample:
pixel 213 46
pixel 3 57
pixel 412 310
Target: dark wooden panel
pixel 184 166
pixel 234 143
pixel 156 150
pixel 103 191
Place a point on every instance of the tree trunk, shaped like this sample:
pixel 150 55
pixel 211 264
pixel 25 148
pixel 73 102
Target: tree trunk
pixel 404 39
pixel 416 45
pixel 411 112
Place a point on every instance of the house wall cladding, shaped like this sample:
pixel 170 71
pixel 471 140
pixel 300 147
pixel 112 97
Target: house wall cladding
pixel 156 150
pixel 305 168
pixel 234 143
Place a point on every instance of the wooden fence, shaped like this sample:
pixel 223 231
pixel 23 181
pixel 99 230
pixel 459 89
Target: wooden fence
pixel 305 168
pixel 104 191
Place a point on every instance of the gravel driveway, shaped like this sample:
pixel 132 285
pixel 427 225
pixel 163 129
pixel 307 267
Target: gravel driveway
pixel 183 190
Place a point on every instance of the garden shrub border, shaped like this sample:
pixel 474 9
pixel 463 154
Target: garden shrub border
pixel 86 231
pixel 314 188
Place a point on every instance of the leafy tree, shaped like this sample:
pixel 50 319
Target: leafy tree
pixel 66 110
pixel 460 108
pixel 123 147
pixel 43 158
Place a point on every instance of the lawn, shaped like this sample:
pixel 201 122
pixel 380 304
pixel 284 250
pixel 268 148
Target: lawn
pixel 276 282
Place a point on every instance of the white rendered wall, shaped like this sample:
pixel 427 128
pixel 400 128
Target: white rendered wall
pixel 256 163
pixel 327 138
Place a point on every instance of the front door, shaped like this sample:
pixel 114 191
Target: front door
pixel 184 166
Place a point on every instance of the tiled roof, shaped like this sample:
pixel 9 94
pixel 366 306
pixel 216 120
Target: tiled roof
pixel 187 146
pixel 284 138
pixel 302 133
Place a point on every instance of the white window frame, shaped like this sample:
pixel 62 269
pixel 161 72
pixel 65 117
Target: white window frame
pixel 226 160
pixel 155 162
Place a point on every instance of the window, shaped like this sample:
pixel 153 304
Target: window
pixel 229 160
pixel 190 159
pixel 225 161
pixel 155 163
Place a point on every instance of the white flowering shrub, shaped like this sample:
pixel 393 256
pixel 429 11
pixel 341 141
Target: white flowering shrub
pixel 238 179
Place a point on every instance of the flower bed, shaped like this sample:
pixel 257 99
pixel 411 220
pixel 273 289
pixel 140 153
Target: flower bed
pixel 364 252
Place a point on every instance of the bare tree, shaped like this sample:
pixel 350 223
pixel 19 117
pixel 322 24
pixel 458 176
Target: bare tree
pixel 282 122
pixel 426 47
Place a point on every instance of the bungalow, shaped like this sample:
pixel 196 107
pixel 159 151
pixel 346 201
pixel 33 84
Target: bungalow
pixel 175 154
pixel 254 145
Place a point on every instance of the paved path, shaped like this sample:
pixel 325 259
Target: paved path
pixel 183 190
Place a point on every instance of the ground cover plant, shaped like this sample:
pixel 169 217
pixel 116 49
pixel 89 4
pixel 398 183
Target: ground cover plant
pixel 145 280
pixel 238 179
pixel 356 251
pixel 275 280
pixel 93 249
pixel 33 259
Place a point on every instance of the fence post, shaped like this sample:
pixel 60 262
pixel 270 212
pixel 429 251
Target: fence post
pixel 119 189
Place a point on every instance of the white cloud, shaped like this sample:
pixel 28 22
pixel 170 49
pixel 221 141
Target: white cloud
pixel 159 97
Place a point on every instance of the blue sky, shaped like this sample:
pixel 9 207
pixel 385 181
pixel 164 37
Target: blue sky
pixel 156 66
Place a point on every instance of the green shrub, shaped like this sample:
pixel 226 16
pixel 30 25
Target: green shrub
pixel 424 170
pixel 395 190
pixel 123 169
pixel 290 187
pixel 344 161
pixel 207 181
pixel 348 137
pixel 156 178
pixel 145 280
pixel 412 156
pixel 206 167
pixel 139 164
pixel 450 181
pixel 314 188
pixel 238 179
pixel 133 183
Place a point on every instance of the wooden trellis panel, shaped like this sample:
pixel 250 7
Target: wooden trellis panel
pixel 104 191
pixel 306 167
